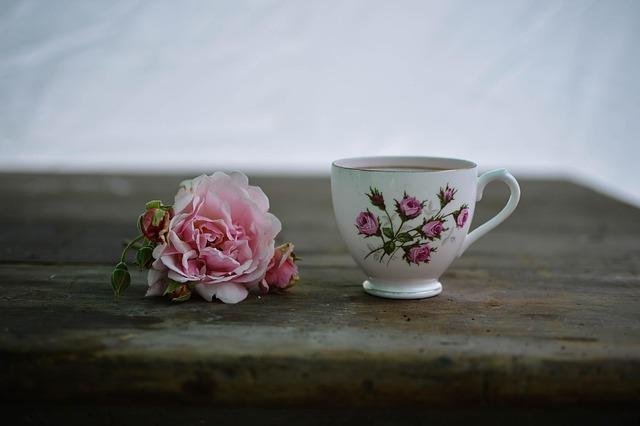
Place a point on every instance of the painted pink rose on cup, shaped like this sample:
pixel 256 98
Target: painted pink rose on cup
pixel 409 207
pixel 461 217
pixel 418 254
pixel 367 224
pixel 433 229
pixel 376 198
pixel 448 194
pixel 220 239
pixel 397 235
pixel 282 272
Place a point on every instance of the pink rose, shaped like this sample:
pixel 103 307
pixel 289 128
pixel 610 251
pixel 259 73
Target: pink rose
pixel 367 224
pixel 220 240
pixel 461 217
pixel 433 229
pixel 418 254
pixel 282 271
pixel 409 207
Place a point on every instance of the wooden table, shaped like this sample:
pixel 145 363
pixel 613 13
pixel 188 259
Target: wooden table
pixel 541 316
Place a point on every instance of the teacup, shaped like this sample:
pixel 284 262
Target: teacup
pixel 405 219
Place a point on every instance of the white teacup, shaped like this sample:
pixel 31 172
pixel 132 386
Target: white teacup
pixel 405 219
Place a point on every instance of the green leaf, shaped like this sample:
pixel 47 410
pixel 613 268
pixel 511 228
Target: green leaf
pixel 145 257
pixel 153 204
pixel 387 232
pixel 389 247
pixel 122 266
pixel 404 237
pixel 120 280
pixel 157 217
pixel 171 287
pixel 183 298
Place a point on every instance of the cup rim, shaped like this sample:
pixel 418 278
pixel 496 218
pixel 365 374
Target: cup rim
pixel 368 164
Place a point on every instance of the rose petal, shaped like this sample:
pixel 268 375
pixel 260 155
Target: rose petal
pixel 227 293
pixel 206 291
pixel 184 197
pixel 217 261
pixel 239 178
pixel 189 267
pixel 254 192
pixel 157 251
pixel 178 244
pixel 231 293
pixel 276 225
pixel 178 277
pixel 156 289
pixel 154 275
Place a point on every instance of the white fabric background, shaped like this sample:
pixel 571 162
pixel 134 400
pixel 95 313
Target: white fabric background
pixel 287 86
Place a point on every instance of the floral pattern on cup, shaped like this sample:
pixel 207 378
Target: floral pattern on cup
pixel 416 239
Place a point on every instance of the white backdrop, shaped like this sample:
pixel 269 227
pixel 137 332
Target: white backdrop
pixel 542 87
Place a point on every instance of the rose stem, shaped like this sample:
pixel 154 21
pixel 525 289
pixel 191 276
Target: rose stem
pixel 131 243
pixel 136 246
pixel 449 214
pixel 394 252
pixel 399 229
pixel 383 241
pixel 373 251
pixel 390 222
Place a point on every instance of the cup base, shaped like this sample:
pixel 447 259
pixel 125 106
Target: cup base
pixel 414 290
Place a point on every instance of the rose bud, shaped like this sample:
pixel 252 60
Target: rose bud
pixel 154 224
pixel 446 195
pixel 376 198
pixel 461 216
pixel 282 271
pixel 180 294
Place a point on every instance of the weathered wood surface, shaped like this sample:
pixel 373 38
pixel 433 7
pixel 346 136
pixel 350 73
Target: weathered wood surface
pixel 542 312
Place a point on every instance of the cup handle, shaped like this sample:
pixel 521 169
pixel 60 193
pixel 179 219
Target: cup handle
pixel 483 180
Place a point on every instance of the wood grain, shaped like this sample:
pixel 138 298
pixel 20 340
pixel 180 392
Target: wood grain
pixel 542 312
